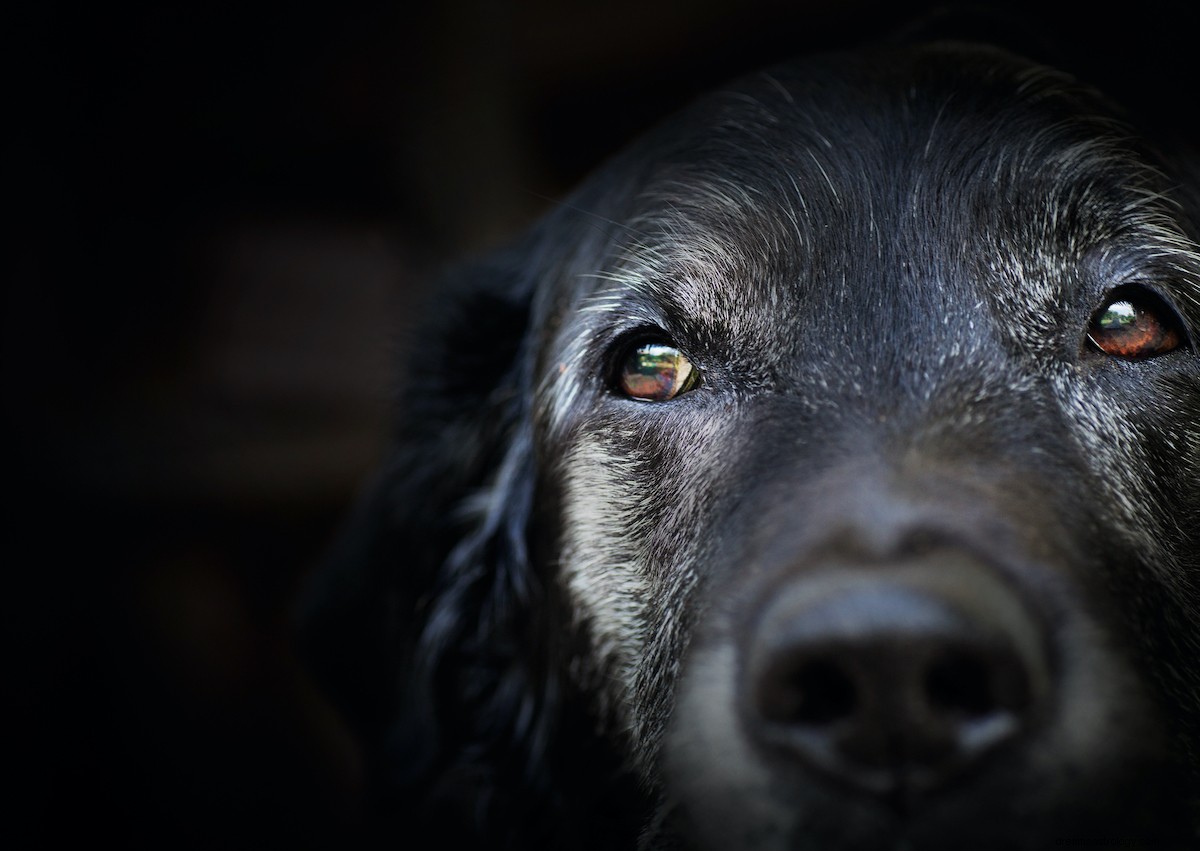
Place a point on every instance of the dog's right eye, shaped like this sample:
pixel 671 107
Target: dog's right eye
pixel 1135 324
pixel 653 372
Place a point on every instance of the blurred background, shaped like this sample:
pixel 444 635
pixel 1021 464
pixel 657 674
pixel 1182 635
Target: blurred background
pixel 221 217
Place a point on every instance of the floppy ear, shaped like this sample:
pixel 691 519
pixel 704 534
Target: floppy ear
pixel 422 626
pixel 430 627
pixel 435 547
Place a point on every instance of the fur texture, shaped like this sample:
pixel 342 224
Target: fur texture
pixel 558 617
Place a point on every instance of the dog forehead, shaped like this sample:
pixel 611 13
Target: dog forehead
pixel 943 175
pixel 894 217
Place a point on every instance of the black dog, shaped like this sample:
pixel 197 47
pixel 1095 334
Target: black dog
pixel 825 474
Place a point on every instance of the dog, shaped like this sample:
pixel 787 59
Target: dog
pixel 824 473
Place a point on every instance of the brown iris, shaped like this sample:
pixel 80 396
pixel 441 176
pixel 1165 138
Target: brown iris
pixel 1135 325
pixel 654 372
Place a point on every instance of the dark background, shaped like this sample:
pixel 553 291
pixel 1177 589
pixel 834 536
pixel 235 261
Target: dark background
pixel 223 213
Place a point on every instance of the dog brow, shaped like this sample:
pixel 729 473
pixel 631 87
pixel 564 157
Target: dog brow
pixel 699 233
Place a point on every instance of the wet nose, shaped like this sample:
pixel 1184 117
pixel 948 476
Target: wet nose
pixel 894 680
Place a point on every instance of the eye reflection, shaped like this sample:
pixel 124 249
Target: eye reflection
pixel 1135 325
pixel 655 372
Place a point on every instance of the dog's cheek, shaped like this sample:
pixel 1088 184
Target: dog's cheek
pixel 602 569
pixel 1114 442
pixel 1142 498
pixel 634 503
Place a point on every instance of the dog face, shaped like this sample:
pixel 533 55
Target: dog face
pixel 831 472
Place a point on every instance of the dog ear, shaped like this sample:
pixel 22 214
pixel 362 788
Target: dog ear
pixel 426 627
pixel 423 627
pixel 437 539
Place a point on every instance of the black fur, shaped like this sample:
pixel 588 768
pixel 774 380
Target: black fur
pixel 1002 202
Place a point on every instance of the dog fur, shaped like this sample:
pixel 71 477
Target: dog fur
pixel 550 614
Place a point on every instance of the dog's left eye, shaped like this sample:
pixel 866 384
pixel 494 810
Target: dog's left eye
pixel 653 372
pixel 1135 324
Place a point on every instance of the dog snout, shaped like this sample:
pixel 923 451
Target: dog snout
pixel 893 679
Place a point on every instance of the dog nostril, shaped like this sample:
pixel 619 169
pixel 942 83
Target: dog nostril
pixel 827 694
pixel 959 684
pixel 817 692
pixel 974 687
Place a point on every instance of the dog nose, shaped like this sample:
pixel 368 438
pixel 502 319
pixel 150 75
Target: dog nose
pixel 894 682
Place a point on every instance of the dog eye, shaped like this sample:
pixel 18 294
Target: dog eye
pixel 654 372
pixel 1135 324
